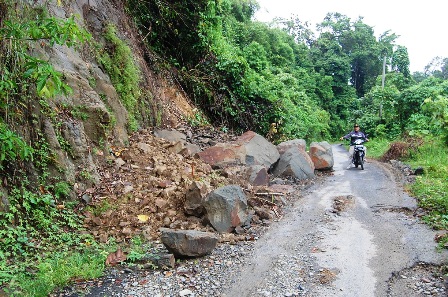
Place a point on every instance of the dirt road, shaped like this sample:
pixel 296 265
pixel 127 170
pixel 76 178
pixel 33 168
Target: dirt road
pixel 353 235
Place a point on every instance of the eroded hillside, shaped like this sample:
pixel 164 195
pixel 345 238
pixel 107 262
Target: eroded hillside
pixel 99 112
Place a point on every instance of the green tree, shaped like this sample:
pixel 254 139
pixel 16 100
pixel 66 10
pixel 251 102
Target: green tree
pixel 437 108
pixel 243 10
pixel 357 41
pixel 400 61
pixel 411 99
pixel 244 74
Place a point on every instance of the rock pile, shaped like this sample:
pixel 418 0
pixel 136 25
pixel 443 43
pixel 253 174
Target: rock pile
pixel 180 181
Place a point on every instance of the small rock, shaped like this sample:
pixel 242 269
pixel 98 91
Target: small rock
pixel 161 203
pixel 119 162
pixel 160 169
pixel 176 147
pixel 239 230
pixel 166 222
pixel 128 189
pixel 144 147
pixel 172 213
pixel 185 292
pixel 164 184
pixel 103 238
pixel 86 198
pixel 126 231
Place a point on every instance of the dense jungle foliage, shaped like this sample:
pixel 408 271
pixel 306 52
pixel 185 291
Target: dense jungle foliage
pixel 246 74
pixel 314 83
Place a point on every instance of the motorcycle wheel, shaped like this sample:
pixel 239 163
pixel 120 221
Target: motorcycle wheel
pixel 362 163
pixel 356 160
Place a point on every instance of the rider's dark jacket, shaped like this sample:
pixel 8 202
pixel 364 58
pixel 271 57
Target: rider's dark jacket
pixel 354 135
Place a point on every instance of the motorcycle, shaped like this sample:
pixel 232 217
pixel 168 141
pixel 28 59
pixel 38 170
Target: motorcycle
pixel 359 151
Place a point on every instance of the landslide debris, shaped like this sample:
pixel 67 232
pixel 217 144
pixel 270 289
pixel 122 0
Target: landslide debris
pixel 143 188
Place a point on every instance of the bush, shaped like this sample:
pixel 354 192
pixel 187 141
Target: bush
pixel 12 146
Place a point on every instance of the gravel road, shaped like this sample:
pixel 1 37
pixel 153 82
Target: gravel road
pixel 353 234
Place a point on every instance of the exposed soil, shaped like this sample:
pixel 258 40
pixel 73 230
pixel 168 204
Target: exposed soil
pixel 343 203
pixel 143 188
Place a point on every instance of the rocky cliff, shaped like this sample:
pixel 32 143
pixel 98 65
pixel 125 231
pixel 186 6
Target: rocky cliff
pixel 94 117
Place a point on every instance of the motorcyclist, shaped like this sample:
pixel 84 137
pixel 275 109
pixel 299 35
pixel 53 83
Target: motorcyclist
pixel 353 135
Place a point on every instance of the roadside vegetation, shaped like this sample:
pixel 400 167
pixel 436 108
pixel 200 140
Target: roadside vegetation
pixel 431 189
pixel 43 244
pixel 242 74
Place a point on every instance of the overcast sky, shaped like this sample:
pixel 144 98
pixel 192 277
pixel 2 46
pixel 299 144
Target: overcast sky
pixel 422 25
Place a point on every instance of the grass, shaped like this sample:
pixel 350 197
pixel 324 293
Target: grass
pixel 377 147
pixel 58 271
pixel 118 60
pixel 431 189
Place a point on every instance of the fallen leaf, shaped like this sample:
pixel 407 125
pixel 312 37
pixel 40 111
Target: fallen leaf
pixel 143 218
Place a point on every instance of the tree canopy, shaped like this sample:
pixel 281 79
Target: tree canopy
pixel 314 83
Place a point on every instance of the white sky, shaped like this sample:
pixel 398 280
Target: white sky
pixel 421 25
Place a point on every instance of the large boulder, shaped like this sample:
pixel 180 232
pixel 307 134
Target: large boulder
pixel 257 175
pixel 322 155
pixel 226 208
pixel 249 149
pixel 286 145
pixel 223 155
pixel 195 198
pixel 171 135
pixel 188 243
pixel 259 151
pixel 296 163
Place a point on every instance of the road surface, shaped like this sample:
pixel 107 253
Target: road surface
pixel 367 243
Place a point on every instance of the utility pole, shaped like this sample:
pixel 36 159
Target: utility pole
pixel 382 87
